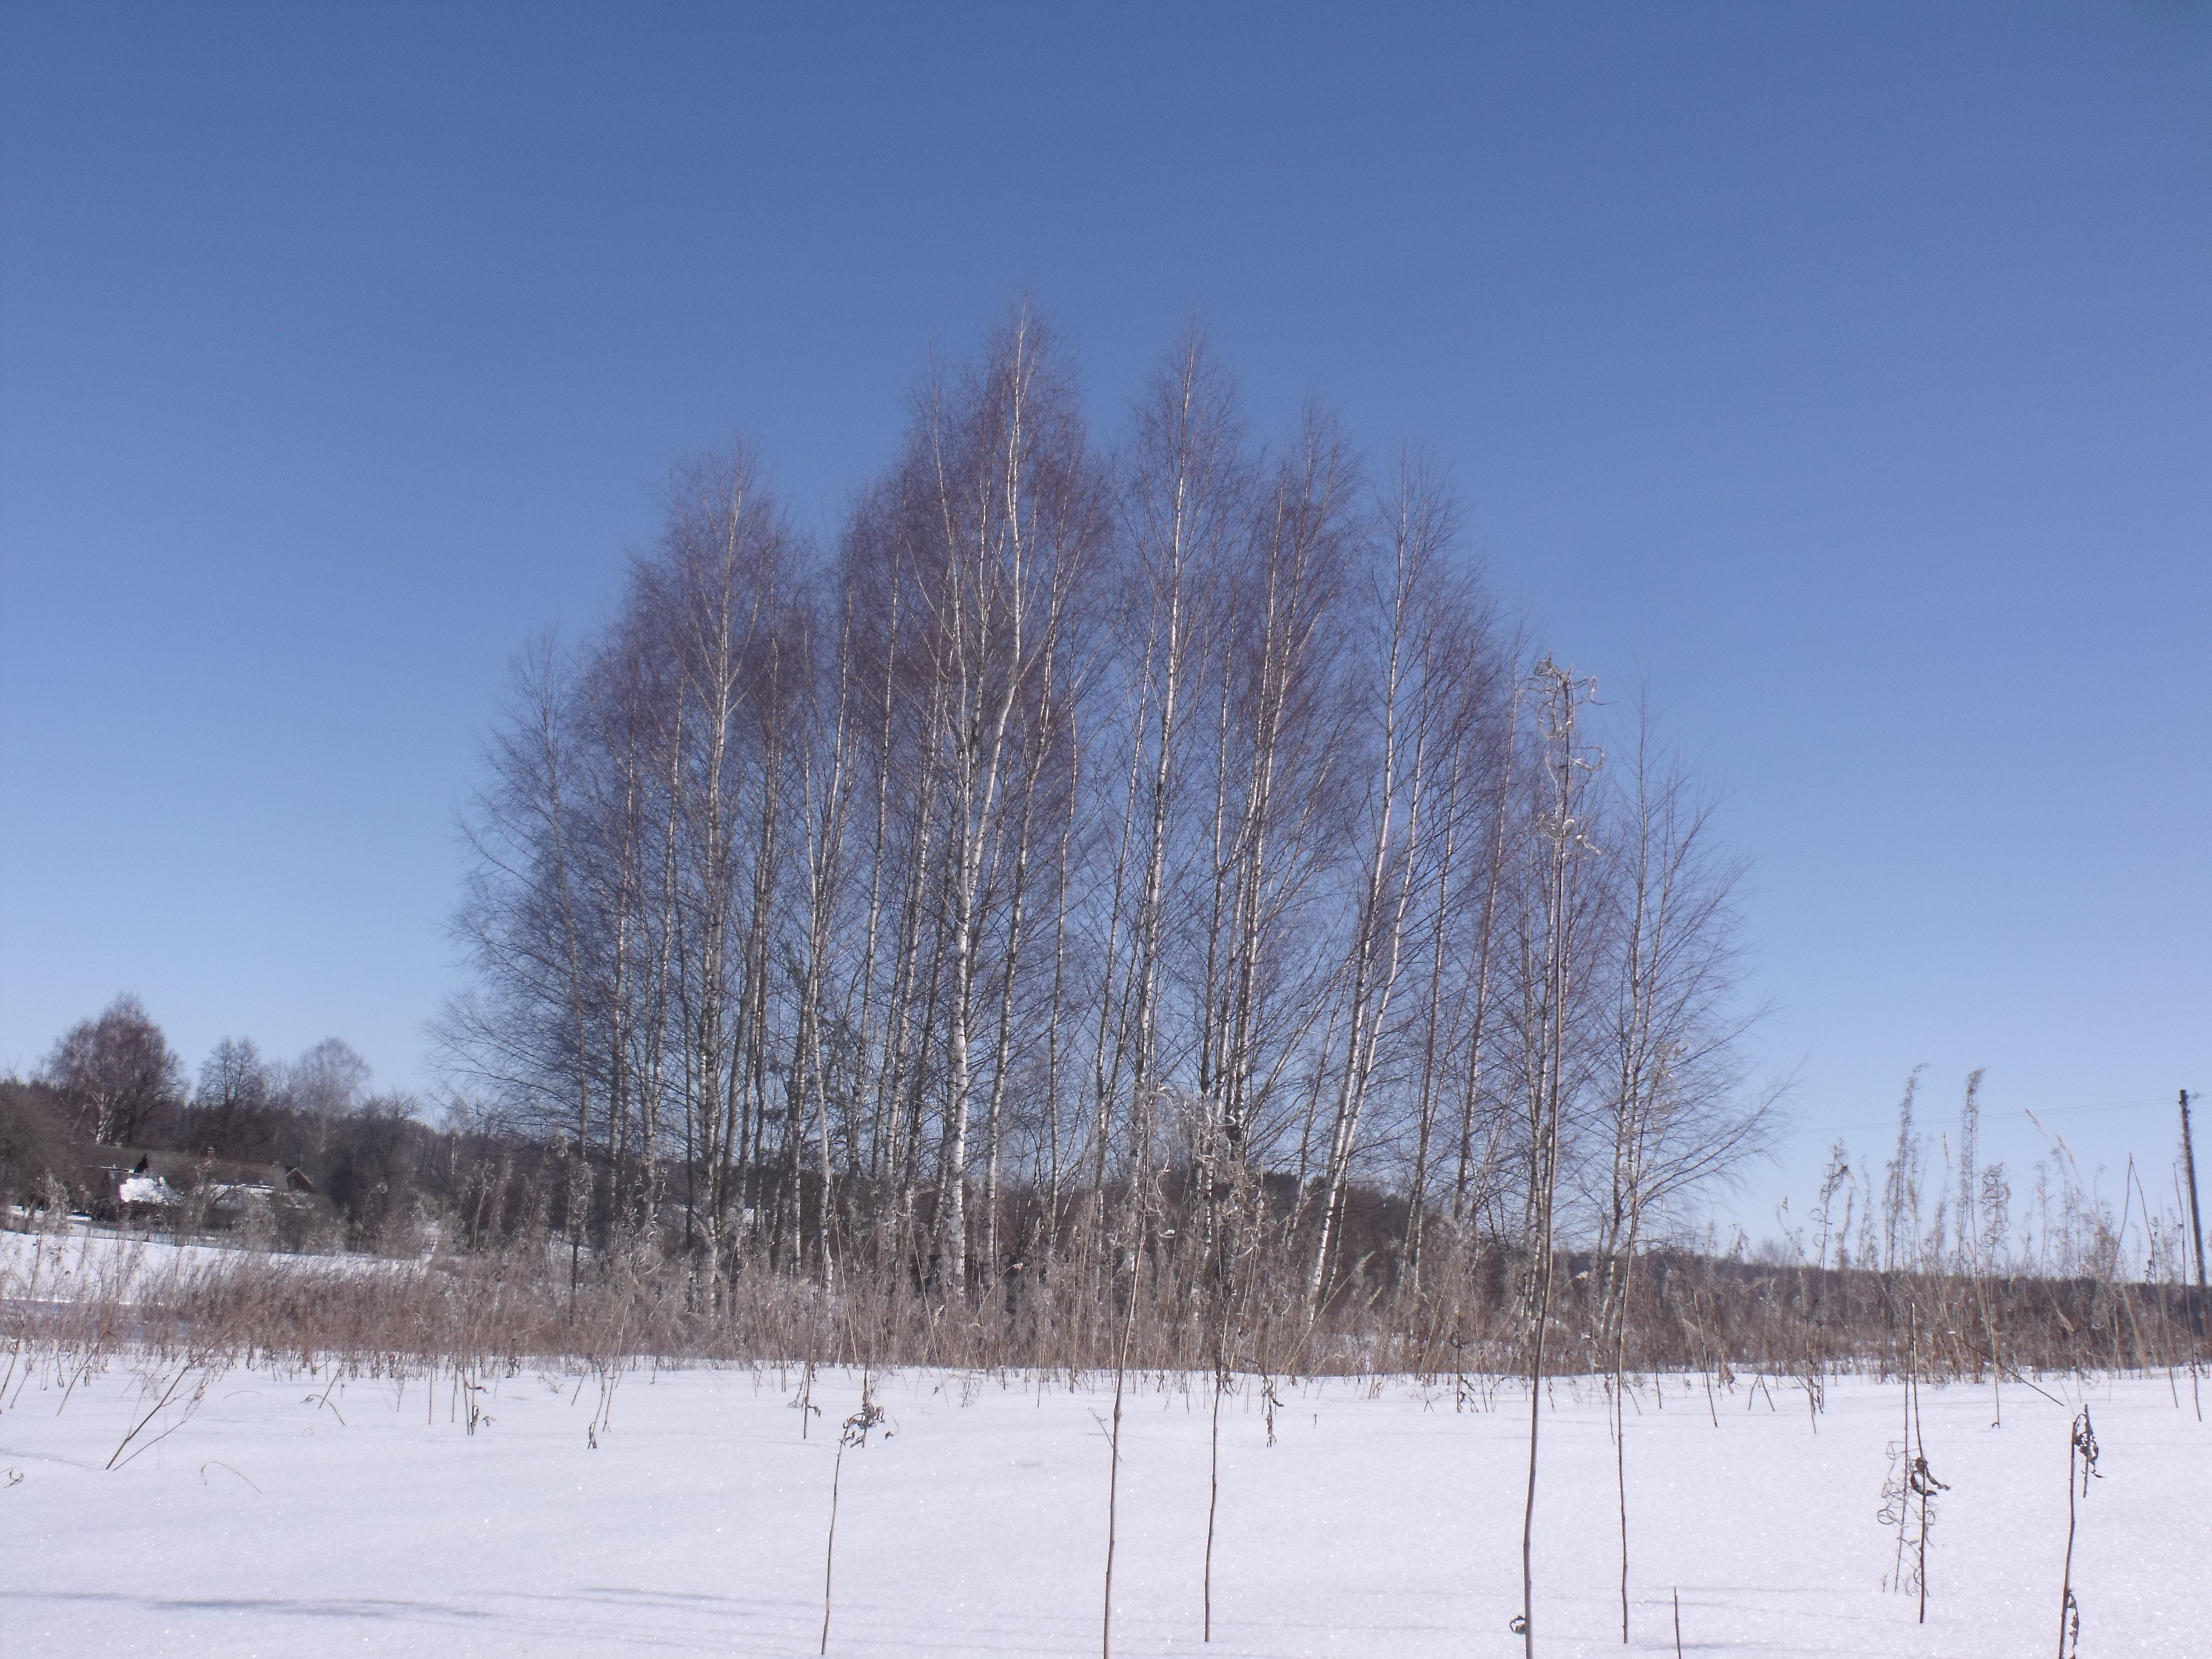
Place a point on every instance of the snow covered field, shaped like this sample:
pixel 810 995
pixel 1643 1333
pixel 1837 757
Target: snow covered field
pixel 271 1521
pixel 81 1262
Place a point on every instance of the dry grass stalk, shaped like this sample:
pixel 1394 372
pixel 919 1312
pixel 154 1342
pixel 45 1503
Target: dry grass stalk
pixel 2081 1457
pixel 854 1433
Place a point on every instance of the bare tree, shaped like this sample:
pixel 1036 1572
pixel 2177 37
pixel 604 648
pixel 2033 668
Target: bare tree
pixel 1673 1111
pixel 995 514
pixel 1281 806
pixel 1185 518
pixel 330 1078
pixel 230 1106
pixel 1558 944
pixel 116 1071
pixel 1434 666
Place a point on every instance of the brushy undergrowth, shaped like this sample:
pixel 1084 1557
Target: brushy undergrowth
pixel 468 1310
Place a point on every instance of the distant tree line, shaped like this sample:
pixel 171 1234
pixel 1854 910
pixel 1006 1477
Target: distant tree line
pixel 1161 851
pixel 113 1093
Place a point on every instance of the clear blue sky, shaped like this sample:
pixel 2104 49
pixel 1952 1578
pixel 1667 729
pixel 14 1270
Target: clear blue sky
pixel 1845 371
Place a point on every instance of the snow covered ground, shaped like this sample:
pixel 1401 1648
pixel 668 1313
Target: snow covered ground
pixel 272 1521
pixel 83 1263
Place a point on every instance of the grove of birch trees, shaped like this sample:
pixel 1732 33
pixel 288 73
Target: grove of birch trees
pixel 1105 852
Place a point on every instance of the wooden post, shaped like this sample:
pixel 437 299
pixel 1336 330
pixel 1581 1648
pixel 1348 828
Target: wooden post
pixel 2189 1167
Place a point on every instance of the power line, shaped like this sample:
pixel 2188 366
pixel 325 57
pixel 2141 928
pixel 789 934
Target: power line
pixel 1890 1122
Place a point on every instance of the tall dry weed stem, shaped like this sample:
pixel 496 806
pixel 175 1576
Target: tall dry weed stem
pixel 869 1417
pixel 2082 1464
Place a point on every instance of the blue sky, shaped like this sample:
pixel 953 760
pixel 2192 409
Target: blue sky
pixel 1844 372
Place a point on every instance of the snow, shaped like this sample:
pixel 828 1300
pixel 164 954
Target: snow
pixel 146 1189
pixel 84 1262
pixel 289 1514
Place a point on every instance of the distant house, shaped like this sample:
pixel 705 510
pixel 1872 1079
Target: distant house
pixel 210 1195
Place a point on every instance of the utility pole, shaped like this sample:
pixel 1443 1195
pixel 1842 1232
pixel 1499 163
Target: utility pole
pixel 2189 1164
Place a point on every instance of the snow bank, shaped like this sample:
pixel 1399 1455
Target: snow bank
pixel 272 1520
